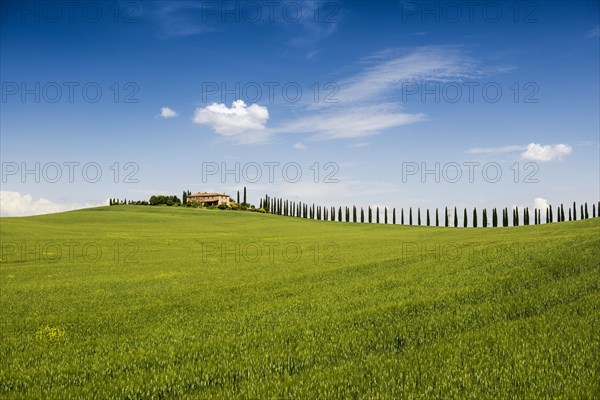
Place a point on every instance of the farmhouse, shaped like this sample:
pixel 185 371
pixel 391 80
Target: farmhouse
pixel 210 199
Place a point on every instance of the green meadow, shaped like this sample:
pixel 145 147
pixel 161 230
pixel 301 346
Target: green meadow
pixel 129 302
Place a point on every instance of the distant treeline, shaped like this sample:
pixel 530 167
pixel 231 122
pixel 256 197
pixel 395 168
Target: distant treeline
pixel 502 218
pixel 448 217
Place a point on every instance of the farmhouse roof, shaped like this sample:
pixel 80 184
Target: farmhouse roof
pixel 207 194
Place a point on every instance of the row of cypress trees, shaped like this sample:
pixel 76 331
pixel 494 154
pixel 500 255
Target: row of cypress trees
pixel 283 207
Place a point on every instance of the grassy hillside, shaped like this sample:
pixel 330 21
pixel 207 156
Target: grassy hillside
pixel 130 302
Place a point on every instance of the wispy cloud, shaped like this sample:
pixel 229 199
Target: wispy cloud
pixel 360 144
pixel 495 150
pixel 305 21
pixel 350 122
pixel 363 106
pixel 594 33
pixel 390 70
pixel 299 146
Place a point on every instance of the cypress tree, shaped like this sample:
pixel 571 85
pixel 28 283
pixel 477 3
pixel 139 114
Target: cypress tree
pixel 562 213
pixel 494 218
pixel 362 215
pixel 465 218
pixel 370 215
pixel 574 212
pixel 475 217
pixel 570 216
pixel 410 222
pixel 244 195
pixel 551 219
pixel 485 221
pixel 402 216
pixel 340 215
pixel 593 211
pixel 325 215
pixel 428 220
pixel 446 217
pixel 437 217
pixel 238 197
pixel 547 215
pixel 377 214
pixel 394 216
pixel 587 215
pixel 385 215
pixel 505 217
pixel 347 214
pixel 455 218
pixel 419 216
pixel 581 214
pixel 354 213
pixel 184 198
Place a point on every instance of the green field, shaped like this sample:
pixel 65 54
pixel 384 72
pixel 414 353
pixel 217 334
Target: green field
pixel 161 302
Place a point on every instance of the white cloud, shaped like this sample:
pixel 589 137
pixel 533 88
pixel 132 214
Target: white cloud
pixel 299 146
pixel 533 151
pixel 361 144
pixel 540 202
pixel 167 112
pixel 240 123
pixel 14 204
pixel 538 152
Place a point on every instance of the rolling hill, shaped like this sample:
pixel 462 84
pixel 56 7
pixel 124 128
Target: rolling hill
pixel 164 302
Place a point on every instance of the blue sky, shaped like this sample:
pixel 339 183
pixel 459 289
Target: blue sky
pixel 508 86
